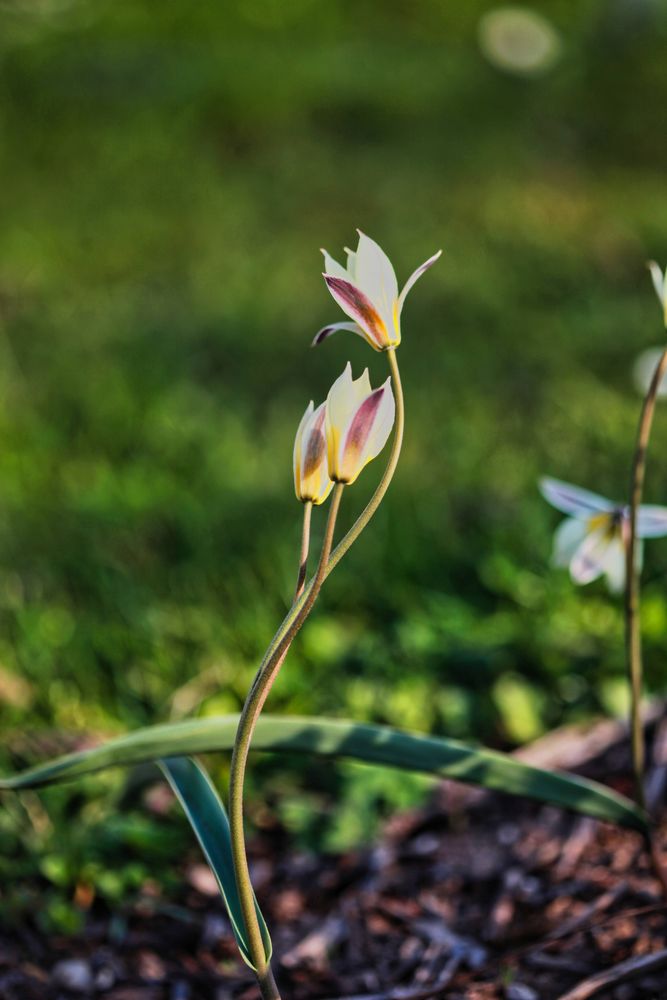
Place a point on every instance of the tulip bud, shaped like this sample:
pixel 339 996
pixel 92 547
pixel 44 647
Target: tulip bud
pixel 311 478
pixel 358 422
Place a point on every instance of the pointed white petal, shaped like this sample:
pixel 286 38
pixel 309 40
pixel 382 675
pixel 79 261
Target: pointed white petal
pixel 298 448
pixel 651 521
pixel 415 277
pixel 382 425
pixel 332 266
pixel 376 278
pixel 337 400
pixel 327 331
pixel 658 280
pixel 571 499
pixel 614 565
pixel 569 536
pixel 345 397
pixel 363 385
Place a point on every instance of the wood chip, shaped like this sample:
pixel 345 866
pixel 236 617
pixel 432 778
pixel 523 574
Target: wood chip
pixel 621 973
pixel 598 906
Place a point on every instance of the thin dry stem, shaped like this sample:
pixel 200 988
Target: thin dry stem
pixel 632 587
pixel 633 641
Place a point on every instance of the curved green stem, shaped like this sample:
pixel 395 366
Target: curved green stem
pixel 300 580
pixel 251 711
pixel 271 664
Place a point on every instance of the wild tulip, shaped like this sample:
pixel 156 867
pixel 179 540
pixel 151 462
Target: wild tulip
pixel 592 540
pixel 367 291
pixel 311 476
pixel 358 422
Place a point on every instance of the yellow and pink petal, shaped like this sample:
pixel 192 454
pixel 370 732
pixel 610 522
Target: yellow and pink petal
pixel 359 308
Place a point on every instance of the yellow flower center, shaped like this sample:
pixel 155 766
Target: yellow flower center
pixel 606 522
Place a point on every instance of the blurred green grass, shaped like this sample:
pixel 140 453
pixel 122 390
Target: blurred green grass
pixel 169 173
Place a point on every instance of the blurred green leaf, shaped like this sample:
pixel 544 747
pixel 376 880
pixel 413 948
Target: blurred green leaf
pixel 339 738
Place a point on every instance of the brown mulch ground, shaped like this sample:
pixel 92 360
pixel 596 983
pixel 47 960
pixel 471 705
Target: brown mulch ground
pixel 479 896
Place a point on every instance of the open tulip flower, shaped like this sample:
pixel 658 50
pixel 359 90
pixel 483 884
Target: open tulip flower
pixel 311 475
pixel 367 291
pixel 592 541
pixel 358 422
pixel 659 279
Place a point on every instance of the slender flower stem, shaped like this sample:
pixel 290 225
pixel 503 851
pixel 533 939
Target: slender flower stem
pixel 271 663
pixel 300 583
pixel 632 620
pixel 348 540
pixel 267 983
pixel 305 545
pixel 633 641
pixel 251 711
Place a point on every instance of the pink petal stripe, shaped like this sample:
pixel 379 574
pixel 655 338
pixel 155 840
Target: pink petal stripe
pixel 327 331
pixel 362 425
pixel 323 335
pixel 353 301
pixel 314 452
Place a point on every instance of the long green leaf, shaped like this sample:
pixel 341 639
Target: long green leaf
pixel 206 813
pixel 334 738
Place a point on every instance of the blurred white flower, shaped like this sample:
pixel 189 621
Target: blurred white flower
pixel 659 279
pixel 519 40
pixel 592 540
pixel 643 369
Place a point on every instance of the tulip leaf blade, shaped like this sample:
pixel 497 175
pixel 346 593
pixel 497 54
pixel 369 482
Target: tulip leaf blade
pixel 355 741
pixel 206 814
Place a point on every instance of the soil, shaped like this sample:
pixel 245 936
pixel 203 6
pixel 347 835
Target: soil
pixel 479 896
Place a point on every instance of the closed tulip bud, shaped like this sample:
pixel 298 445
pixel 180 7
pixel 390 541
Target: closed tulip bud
pixel 311 476
pixel 367 291
pixel 358 422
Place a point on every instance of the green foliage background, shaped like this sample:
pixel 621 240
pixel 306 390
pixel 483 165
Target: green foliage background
pixel 169 172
